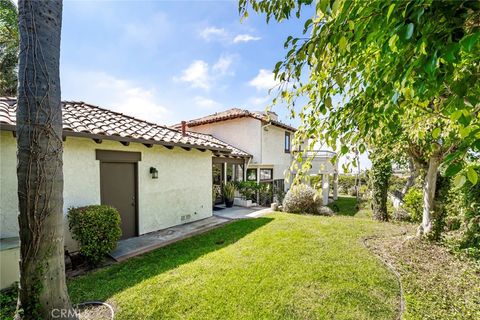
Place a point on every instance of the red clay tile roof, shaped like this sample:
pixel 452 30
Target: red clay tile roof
pixel 235 113
pixel 84 120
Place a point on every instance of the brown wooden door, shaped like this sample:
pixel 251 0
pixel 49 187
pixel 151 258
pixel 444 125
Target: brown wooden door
pixel 118 189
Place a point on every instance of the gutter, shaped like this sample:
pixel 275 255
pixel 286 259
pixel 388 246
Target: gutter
pixel 67 133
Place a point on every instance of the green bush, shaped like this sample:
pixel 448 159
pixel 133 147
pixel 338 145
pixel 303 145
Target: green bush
pixel 248 189
pixel 97 230
pixel 301 199
pixel 462 208
pixel 413 203
pixel 396 183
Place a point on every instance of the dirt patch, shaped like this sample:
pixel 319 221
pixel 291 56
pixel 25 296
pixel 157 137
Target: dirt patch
pixel 436 284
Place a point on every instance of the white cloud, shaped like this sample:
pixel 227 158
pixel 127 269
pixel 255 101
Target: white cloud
pixel 104 90
pixel 206 103
pixel 213 33
pixel 264 80
pixel 259 101
pixel 199 74
pixel 245 38
pixel 223 65
pixel 149 33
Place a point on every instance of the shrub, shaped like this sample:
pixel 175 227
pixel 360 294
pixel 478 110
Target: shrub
pixel 413 204
pixel 301 199
pixel 248 189
pixel 463 218
pixel 265 194
pixel 97 230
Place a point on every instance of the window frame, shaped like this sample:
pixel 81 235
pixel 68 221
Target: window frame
pixel 288 148
pixel 271 174
pixel 256 174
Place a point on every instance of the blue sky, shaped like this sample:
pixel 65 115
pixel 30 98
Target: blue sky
pixel 167 61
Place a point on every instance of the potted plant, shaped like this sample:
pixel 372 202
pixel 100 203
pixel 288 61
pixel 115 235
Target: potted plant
pixel 229 194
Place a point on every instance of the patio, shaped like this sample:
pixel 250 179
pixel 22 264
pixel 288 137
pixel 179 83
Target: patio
pixel 236 212
pixel 131 247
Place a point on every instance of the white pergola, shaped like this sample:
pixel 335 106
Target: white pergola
pixel 321 166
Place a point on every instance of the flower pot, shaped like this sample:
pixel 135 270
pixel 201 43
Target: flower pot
pixel 228 203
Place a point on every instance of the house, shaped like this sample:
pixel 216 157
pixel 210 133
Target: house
pixel 156 176
pixel 267 140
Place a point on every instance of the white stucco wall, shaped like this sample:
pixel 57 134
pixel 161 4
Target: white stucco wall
pixel 8 186
pixel 273 150
pixel 243 133
pixel 184 185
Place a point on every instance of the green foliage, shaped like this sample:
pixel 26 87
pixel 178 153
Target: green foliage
pixel 401 76
pixel 346 182
pixel 229 191
pixel 248 189
pixel 265 194
pixel 97 230
pixel 9 47
pixel 8 302
pixel 301 199
pixel 396 183
pixel 379 177
pixel 462 206
pixel 413 203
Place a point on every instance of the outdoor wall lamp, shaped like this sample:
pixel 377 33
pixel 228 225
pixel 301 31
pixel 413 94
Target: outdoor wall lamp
pixel 154 172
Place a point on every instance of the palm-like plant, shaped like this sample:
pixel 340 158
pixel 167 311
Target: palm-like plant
pixel 229 191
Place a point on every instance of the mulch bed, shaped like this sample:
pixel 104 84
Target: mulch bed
pixel 436 284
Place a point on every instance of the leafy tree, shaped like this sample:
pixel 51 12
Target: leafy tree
pixel 9 42
pixel 405 74
pixel 40 179
pixel 380 175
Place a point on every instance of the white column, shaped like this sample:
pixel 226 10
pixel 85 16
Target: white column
pixel 335 186
pixel 325 188
pixel 224 172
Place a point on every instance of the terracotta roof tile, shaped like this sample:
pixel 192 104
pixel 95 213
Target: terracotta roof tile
pixel 82 119
pixel 235 113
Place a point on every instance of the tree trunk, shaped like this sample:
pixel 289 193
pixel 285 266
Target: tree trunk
pixel 42 291
pixel 411 178
pixel 429 195
pixel 381 172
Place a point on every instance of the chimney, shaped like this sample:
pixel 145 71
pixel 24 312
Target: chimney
pixel 184 128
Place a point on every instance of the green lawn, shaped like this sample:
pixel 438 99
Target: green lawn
pixel 282 266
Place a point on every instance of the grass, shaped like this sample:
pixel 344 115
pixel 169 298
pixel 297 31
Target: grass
pixel 347 206
pixel 282 266
pixel 286 266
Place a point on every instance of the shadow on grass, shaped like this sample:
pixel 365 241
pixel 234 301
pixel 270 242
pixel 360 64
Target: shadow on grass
pixel 102 284
pixel 345 206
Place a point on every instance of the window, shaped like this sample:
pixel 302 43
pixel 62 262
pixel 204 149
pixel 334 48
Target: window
pixel 287 142
pixel 239 172
pixel 266 174
pixel 252 174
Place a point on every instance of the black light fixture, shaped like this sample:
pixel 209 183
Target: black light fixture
pixel 154 173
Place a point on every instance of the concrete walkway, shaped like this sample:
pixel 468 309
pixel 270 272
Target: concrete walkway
pixel 235 212
pixel 138 245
